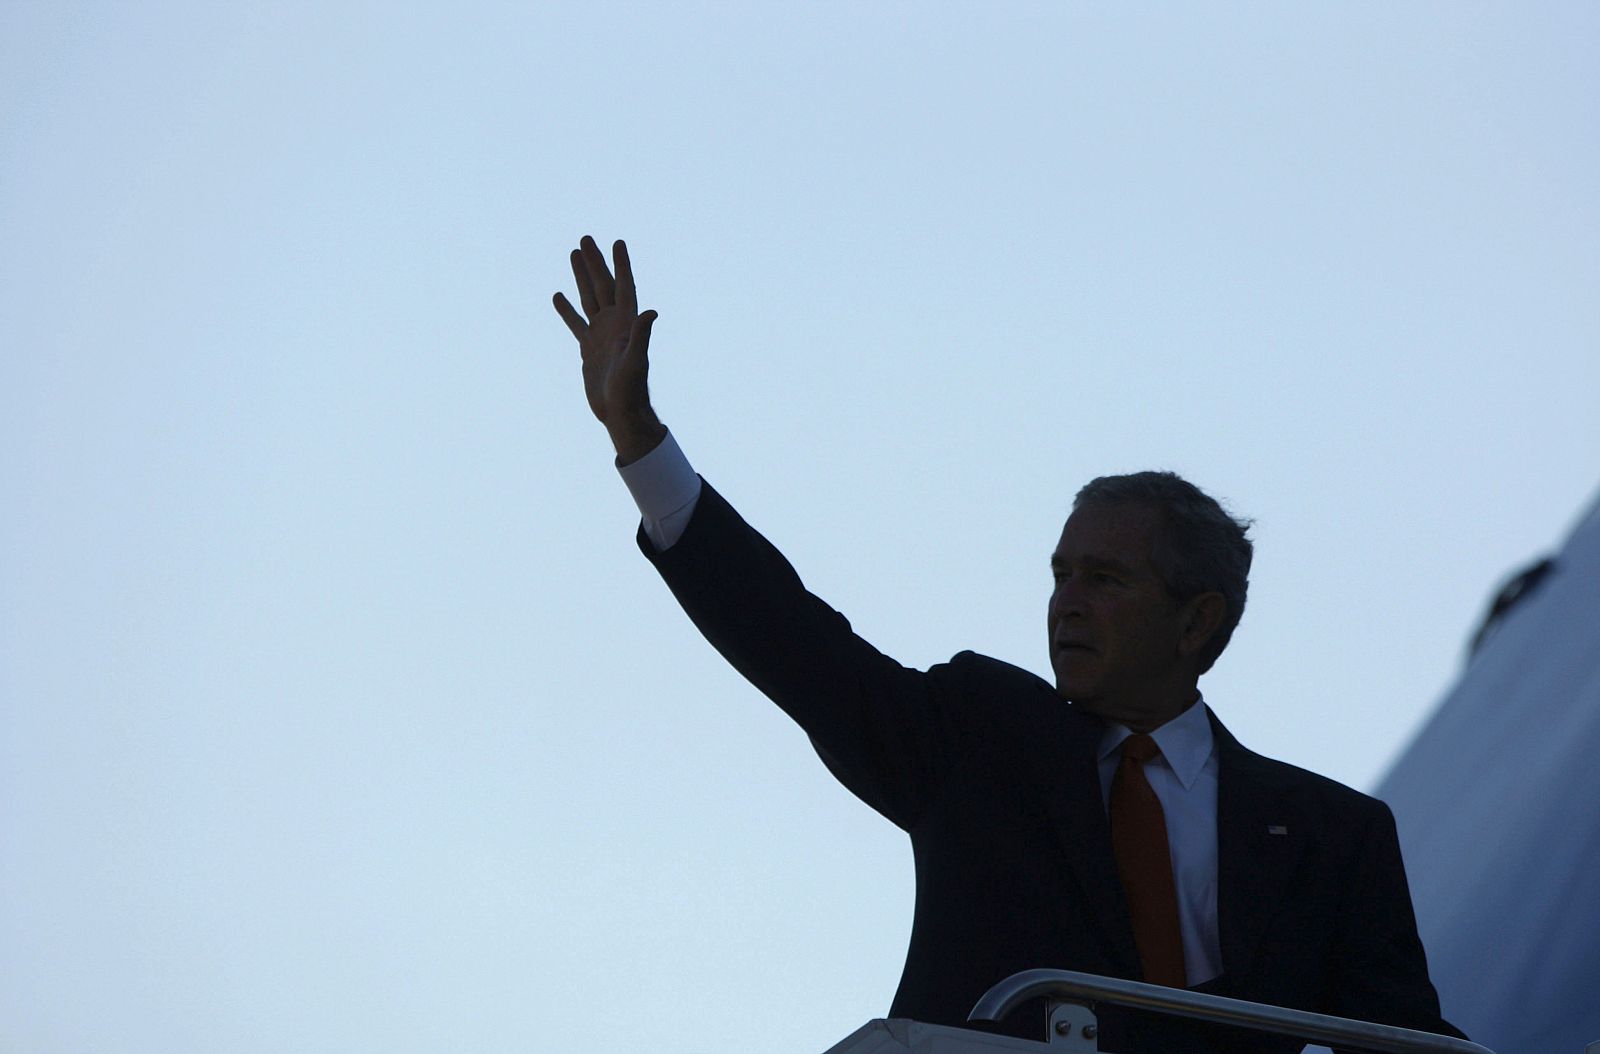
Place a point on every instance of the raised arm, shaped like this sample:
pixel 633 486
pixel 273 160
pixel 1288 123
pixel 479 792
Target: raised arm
pixel 615 341
pixel 878 725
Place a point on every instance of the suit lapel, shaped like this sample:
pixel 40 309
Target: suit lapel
pixel 1260 838
pixel 1072 793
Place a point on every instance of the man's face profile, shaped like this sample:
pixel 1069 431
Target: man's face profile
pixel 1116 634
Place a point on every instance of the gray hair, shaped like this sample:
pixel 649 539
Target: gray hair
pixel 1202 549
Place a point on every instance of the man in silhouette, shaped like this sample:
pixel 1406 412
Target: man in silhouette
pixel 1108 823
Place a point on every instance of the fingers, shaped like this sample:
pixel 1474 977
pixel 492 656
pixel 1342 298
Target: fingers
pixel 627 297
pixel 580 271
pixel 605 290
pixel 597 290
pixel 570 316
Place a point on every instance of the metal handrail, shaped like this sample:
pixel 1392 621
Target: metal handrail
pixel 1300 1024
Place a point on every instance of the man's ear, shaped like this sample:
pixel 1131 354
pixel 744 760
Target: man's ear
pixel 1202 617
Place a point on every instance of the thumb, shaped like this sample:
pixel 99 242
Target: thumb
pixel 639 335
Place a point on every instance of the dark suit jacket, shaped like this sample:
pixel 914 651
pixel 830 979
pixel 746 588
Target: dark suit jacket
pixel 993 776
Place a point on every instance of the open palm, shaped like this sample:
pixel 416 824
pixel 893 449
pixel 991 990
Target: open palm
pixel 613 336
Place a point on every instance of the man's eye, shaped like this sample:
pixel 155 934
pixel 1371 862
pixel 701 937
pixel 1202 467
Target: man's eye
pixel 1110 579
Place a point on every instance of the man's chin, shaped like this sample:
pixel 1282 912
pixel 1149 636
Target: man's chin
pixel 1087 704
pixel 1077 691
pixel 1085 696
pixel 1136 718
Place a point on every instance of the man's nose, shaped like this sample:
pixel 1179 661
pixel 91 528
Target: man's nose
pixel 1067 599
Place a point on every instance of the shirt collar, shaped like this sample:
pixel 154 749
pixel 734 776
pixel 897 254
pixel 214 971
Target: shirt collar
pixel 1185 741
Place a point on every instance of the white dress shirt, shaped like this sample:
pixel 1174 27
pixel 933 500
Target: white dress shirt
pixel 666 488
pixel 1184 778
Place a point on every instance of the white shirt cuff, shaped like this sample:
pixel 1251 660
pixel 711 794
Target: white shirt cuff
pixel 665 487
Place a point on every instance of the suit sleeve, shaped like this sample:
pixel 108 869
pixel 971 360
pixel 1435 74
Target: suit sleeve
pixel 1379 969
pixel 879 726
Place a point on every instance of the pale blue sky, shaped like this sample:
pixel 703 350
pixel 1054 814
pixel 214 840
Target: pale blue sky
pixel 337 710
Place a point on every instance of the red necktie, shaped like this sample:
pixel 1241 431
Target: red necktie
pixel 1139 840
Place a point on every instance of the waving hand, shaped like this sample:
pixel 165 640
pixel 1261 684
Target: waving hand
pixel 614 339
